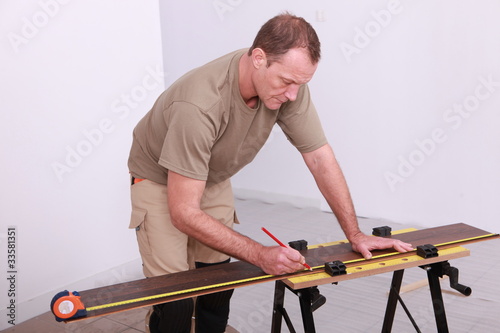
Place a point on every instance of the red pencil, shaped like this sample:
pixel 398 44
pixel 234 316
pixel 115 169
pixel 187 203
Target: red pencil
pixel 282 245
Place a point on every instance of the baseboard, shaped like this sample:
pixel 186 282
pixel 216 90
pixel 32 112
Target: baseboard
pixel 273 198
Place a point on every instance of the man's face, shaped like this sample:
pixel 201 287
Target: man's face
pixel 280 82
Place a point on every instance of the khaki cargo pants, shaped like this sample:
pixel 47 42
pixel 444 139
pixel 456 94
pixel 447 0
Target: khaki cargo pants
pixel 163 248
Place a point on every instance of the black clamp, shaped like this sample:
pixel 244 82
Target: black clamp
pixel 427 251
pixel 298 245
pixel 317 300
pixel 382 231
pixel 311 296
pixel 334 268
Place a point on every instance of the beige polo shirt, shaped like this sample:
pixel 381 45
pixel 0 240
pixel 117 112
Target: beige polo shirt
pixel 201 128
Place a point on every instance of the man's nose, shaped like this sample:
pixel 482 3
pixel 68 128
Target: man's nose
pixel 292 91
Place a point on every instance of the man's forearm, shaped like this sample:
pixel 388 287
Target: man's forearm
pixel 184 196
pixel 332 184
pixel 206 229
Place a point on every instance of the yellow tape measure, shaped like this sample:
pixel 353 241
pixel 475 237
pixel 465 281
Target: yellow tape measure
pixel 174 293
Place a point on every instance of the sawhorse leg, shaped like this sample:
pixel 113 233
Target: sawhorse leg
pixel 309 299
pixel 279 311
pixel 434 272
pixel 436 295
pixel 305 299
pixel 392 302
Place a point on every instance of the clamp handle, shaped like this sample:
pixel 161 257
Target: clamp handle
pixel 452 272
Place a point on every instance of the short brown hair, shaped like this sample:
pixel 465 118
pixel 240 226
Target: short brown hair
pixel 284 32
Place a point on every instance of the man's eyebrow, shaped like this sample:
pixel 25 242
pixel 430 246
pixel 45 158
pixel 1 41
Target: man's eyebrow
pixel 288 79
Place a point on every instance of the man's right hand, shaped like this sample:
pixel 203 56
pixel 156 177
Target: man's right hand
pixel 277 260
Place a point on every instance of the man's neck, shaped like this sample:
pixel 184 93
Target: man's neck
pixel 247 90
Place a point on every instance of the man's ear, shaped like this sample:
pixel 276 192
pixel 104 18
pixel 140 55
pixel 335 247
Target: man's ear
pixel 259 58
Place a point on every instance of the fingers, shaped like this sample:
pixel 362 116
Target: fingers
pixel 294 260
pixel 363 248
pixel 280 260
pixel 367 254
pixel 402 246
pixel 369 243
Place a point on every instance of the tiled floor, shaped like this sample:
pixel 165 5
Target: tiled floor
pixel 352 306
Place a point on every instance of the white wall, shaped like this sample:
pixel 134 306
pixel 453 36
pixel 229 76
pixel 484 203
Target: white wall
pixel 75 78
pixel 402 87
pixel 390 76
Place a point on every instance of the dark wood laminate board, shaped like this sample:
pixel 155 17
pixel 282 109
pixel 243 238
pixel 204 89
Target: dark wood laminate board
pixel 144 292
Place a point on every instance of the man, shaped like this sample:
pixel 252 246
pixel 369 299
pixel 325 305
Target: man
pixel 201 131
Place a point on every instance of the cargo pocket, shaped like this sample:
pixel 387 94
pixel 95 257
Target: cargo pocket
pixel 137 222
pixel 137 219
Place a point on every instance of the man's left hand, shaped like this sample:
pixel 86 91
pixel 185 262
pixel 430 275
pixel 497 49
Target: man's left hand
pixel 364 244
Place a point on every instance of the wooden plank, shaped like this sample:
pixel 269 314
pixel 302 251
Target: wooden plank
pixel 171 287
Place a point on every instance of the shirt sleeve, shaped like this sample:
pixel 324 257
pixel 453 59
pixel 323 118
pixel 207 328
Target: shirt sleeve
pixel 300 123
pixel 187 146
